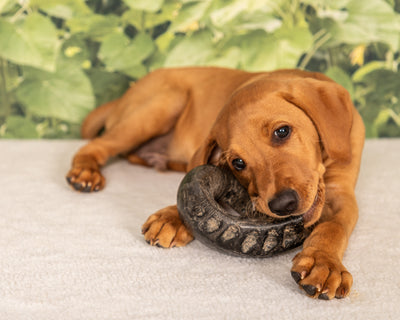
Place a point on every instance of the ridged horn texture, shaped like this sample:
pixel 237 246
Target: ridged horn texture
pixel 218 211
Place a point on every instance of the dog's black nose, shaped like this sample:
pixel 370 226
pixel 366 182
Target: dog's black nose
pixel 284 203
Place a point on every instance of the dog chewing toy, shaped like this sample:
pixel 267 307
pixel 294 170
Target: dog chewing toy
pixel 215 208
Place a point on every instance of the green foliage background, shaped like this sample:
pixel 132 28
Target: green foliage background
pixel 61 58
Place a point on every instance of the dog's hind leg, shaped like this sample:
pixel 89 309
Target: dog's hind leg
pixel 149 109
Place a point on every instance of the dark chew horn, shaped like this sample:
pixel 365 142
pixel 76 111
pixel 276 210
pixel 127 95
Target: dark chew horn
pixel 215 208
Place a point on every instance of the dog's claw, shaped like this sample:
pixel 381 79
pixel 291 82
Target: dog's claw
pixel 311 290
pixel 296 276
pixel 323 296
pixel 85 180
pixel 322 276
pixel 77 186
pixel 341 293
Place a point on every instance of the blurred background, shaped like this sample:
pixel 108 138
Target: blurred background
pixel 59 59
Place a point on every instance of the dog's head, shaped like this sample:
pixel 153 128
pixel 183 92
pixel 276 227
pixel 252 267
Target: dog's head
pixel 274 134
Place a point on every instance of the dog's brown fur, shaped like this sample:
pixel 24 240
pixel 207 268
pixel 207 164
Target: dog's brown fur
pixel 181 118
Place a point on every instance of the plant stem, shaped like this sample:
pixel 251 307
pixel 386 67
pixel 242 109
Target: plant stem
pixel 321 38
pixel 143 21
pixel 395 117
pixel 5 105
pixel 23 10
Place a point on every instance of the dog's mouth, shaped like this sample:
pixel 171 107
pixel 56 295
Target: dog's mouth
pixel 310 216
pixel 313 213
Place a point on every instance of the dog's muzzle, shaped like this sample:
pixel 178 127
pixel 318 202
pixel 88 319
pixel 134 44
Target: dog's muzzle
pixel 285 203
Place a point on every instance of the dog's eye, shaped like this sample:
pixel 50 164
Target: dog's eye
pixel 238 164
pixel 282 132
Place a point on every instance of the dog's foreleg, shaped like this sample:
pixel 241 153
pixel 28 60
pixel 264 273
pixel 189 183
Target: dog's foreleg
pixel 165 229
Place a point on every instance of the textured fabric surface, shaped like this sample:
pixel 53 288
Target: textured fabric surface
pixel 69 255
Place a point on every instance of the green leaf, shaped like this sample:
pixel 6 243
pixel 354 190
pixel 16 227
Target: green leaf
pixel 94 26
pixel 50 128
pixel 33 43
pixel 229 58
pixel 385 83
pixel 282 49
pixel 188 15
pixel 387 124
pixel 6 5
pixel 134 17
pixel 191 50
pixel 136 71
pixel 327 6
pixel 365 70
pixel 149 20
pixel 107 86
pixel 382 118
pixel 12 76
pixel 229 12
pixel 378 91
pixel 340 76
pixel 164 41
pixel 146 5
pixel 64 9
pixel 19 127
pixel 65 94
pixel 242 15
pixel 119 53
pixel 357 23
pixel 76 51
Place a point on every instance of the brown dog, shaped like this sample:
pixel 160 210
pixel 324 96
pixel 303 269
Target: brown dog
pixel 292 138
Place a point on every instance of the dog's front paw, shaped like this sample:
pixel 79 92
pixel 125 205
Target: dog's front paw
pixel 321 275
pixel 85 175
pixel 165 229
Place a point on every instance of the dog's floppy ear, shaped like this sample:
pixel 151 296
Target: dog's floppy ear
pixel 208 153
pixel 330 108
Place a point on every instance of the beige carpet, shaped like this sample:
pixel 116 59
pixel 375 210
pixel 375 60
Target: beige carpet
pixel 66 255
